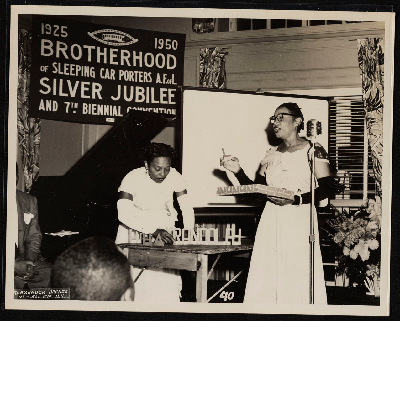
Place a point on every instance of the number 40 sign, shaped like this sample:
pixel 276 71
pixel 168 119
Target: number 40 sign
pixel 227 295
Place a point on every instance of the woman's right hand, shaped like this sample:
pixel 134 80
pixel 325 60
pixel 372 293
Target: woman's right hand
pixel 230 163
pixel 166 237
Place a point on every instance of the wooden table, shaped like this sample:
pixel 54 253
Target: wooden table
pixel 190 257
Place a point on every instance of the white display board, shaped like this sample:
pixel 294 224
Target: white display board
pixel 236 122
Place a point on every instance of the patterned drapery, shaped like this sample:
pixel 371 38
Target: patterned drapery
pixel 371 63
pixel 212 68
pixel 28 128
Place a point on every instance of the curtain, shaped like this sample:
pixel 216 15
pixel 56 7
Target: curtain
pixel 28 128
pixel 371 63
pixel 212 68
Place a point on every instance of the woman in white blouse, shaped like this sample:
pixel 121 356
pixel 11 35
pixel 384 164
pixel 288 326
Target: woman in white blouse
pixel 145 205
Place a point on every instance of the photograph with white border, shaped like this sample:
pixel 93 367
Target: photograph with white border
pixel 137 138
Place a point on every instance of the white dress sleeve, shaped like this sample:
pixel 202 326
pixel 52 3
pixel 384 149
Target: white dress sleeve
pixel 131 215
pixel 187 211
pixel 135 218
pixel 184 201
pixel 179 184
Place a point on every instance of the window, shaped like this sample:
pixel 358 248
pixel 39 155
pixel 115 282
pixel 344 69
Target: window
pixel 316 22
pixel 278 23
pixel 244 24
pixel 349 152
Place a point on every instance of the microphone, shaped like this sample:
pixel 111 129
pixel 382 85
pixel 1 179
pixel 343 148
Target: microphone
pixel 313 128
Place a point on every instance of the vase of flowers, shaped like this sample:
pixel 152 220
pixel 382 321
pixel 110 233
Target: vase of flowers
pixel 357 239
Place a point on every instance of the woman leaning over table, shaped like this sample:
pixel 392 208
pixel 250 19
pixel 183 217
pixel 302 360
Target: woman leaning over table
pixel 145 205
pixel 280 263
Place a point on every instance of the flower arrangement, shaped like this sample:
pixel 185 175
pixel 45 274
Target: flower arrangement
pixel 357 237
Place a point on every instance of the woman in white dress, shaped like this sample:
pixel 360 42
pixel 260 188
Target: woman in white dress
pixel 280 263
pixel 145 205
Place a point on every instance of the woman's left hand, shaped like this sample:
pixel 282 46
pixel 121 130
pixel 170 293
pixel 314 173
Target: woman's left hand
pixel 279 201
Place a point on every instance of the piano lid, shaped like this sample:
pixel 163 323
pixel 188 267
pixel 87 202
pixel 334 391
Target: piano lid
pixel 95 178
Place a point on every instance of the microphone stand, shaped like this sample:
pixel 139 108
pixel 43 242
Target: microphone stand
pixel 313 129
pixel 312 222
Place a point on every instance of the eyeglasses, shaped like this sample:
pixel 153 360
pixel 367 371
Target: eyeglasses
pixel 279 117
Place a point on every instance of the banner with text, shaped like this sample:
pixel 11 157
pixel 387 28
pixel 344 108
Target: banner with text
pixel 95 74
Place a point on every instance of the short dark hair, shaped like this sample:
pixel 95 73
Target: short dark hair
pixel 296 111
pixel 93 269
pixel 153 150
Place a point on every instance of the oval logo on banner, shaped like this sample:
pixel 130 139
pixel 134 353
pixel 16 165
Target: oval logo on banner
pixel 112 37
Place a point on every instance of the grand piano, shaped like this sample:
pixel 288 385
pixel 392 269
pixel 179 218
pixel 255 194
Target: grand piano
pixel 84 199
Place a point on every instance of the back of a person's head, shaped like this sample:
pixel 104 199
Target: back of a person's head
pixel 93 269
